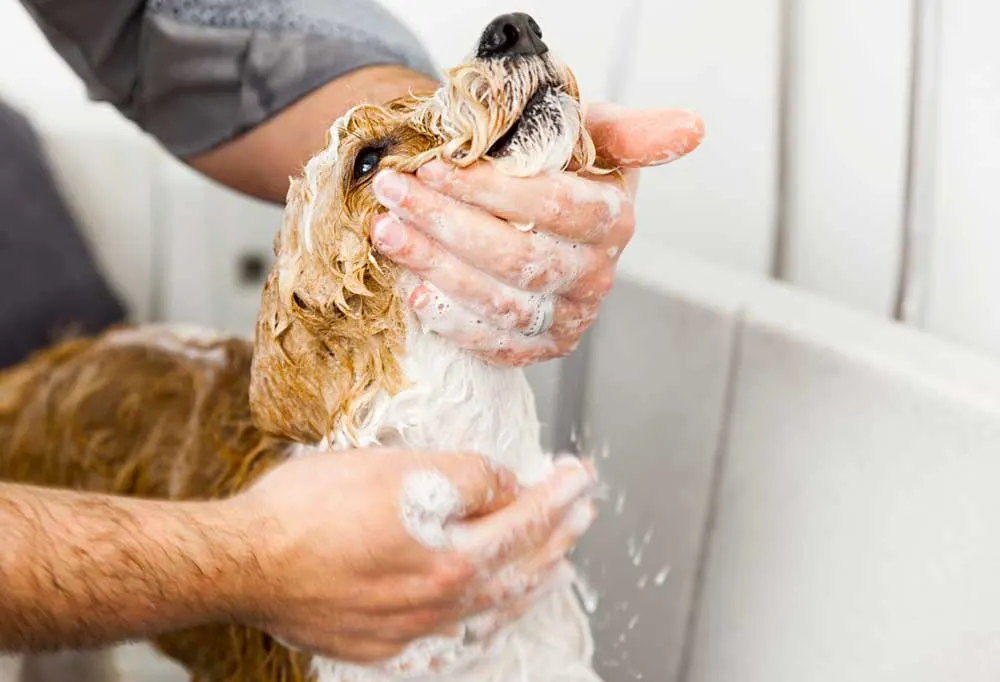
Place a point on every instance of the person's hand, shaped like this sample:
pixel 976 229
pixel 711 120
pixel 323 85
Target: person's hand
pixel 351 566
pixel 489 288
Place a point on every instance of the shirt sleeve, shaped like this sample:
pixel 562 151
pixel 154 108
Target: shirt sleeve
pixel 197 73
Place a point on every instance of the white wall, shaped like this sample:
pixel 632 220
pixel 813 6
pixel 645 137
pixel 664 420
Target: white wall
pixel 849 84
pixel 963 278
pixel 719 58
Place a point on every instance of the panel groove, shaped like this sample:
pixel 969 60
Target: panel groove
pixel 714 493
pixel 918 209
pixel 786 64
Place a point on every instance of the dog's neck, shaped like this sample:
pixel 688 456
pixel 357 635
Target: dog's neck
pixel 453 401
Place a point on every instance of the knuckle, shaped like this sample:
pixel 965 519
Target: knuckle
pixel 453 575
pixel 604 282
pixel 520 265
pixel 423 621
pixel 538 526
pixel 561 197
pixel 595 286
pixel 507 312
pixel 416 194
pixel 625 226
pixel 571 344
pixel 425 256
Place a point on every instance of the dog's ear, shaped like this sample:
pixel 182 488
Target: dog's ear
pixel 330 330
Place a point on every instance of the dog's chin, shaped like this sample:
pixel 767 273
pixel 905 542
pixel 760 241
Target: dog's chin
pixel 542 138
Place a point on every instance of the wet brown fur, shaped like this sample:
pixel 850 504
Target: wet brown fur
pixel 173 418
pixel 140 420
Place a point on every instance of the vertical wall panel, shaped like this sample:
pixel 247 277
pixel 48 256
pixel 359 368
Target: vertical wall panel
pixel 719 58
pixel 215 246
pixel 105 176
pixel 963 298
pixel 847 137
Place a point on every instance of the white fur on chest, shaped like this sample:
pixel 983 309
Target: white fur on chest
pixel 456 402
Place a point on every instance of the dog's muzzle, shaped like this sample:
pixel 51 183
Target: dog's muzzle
pixel 511 35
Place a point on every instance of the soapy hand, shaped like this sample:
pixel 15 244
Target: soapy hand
pixel 342 574
pixel 472 278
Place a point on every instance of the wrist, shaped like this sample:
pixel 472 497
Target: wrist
pixel 202 557
pixel 242 531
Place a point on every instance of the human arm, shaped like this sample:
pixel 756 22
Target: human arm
pixel 82 570
pixel 315 553
pixel 242 91
pixel 260 161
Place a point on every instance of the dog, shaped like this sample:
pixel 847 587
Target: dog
pixel 337 361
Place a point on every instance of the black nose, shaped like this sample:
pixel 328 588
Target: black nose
pixel 511 34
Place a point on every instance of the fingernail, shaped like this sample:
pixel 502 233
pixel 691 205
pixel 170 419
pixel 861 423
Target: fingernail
pixel 390 188
pixel 420 297
pixel 388 233
pixel 434 173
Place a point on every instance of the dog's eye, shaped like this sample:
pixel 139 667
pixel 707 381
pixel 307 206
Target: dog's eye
pixel 366 162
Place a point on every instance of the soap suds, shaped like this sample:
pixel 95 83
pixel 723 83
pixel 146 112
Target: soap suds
pixel 428 501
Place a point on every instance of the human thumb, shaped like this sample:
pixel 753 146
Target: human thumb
pixel 633 138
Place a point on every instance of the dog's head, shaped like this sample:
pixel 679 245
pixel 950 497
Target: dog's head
pixel 332 325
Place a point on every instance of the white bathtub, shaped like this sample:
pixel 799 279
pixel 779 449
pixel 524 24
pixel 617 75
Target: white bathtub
pixel 796 491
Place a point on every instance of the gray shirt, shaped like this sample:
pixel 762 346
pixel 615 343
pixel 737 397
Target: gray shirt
pixel 197 73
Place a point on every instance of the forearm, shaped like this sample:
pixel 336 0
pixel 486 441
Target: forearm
pixel 243 91
pixel 260 162
pixel 86 570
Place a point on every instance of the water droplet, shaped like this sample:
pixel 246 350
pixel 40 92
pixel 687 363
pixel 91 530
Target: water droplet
pixel 588 595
